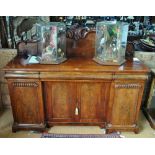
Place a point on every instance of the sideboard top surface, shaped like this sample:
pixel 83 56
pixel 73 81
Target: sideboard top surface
pixel 76 65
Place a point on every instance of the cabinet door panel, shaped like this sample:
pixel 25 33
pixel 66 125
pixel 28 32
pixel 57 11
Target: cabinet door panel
pixel 60 101
pixel 125 103
pixel 26 100
pixel 92 98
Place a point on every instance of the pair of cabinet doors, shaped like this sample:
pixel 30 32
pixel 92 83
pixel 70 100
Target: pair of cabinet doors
pixel 76 101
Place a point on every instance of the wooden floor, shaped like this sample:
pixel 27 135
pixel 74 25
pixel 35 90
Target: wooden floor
pixel 6 121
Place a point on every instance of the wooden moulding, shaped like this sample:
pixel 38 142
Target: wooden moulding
pixel 100 124
pixel 39 127
pixel 89 75
pixel 132 85
pixel 128 128
pixel 21 74
pixel 113 128
pixel 72 75
pixel 25 84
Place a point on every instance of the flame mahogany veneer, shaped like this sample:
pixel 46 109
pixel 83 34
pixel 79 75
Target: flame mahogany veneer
pixel 76 92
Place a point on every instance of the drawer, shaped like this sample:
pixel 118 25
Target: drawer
pixel 75 75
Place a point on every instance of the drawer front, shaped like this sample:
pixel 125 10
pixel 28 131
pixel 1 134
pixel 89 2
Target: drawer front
pixel 21 75
pixel 75 75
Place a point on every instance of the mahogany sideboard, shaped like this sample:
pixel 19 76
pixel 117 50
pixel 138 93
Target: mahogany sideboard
pixel 76 92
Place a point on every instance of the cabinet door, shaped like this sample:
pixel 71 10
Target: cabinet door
pixel 60 101
pixel 124 103
pixel 92 100
pixel 26 101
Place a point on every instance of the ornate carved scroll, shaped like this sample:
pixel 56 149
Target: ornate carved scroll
pixel 77 32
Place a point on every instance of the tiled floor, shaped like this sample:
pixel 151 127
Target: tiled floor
pixel 6 121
